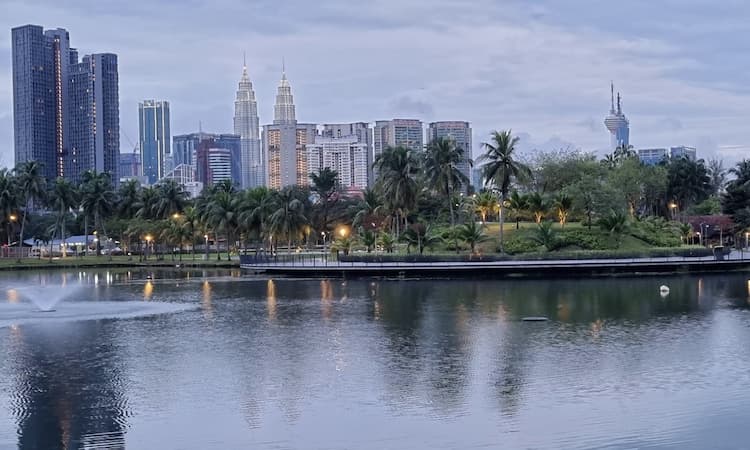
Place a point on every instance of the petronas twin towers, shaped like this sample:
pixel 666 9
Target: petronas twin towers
pixel 246 124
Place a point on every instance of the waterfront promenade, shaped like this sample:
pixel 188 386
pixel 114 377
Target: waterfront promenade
pixel 308 265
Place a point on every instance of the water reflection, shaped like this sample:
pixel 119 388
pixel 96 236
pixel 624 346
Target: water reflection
pixel 51 407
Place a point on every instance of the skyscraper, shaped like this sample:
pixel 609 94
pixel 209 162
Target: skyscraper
pixel 66 112
pixel 460 132
pixel 187 149
pixel 94 109
pixel 616 122
pixel 155 142
pixel 285 141
pixel 362 131
pixel 246 125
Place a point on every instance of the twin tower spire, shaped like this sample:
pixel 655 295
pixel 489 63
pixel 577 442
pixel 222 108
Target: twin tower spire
pixel 284 109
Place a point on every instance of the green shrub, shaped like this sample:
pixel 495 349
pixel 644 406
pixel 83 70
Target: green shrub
pixel 657 232
pixel 517 244
pixel 594 239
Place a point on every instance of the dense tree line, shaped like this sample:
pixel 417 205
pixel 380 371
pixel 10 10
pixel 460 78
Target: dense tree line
pixel 420 199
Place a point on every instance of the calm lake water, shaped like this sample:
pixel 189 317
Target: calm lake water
pixel 377 364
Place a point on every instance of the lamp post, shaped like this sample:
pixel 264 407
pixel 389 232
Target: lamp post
pixel 325 250
pixel 205 247
pixel 149 238
pixel 746 236
pixel 12 219
pixel 673 209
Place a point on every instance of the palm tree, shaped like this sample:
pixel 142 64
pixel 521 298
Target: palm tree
pixel 686 231
pixel 545 235
pixel 398 168
pixel 289 219
pixel 146 205
pixel 32 187
pixel 386 241
pixel 366 207
pixel 484 203
pixel 171 199
pixel 563 204
pixel 718 175
pixel 368 239
pixel 615 223
pixel 10 201
pixel 501 167
pixel 472 234
pixel 221 214
pixel 326 185
pixel 191 224
pixel 129 196
pixel 441 159
pixel 98 200
pixel 62 199
pixel 518 204
pixel 537 206
pixel 421 236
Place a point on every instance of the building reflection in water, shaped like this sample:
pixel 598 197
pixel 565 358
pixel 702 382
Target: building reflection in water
pixel 62 399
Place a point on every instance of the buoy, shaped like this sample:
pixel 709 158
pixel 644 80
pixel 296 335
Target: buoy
pixel 534 319
pixel 663 291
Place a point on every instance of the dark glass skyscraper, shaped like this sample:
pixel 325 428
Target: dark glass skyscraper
pixel 153 125
pixel 65 113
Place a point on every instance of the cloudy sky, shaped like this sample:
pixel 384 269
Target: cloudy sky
pixel 539 67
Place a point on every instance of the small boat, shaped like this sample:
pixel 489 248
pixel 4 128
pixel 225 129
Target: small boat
pixel 534 319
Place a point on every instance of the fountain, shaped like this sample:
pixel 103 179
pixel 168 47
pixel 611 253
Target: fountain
pixel 46 297
pixel 64 303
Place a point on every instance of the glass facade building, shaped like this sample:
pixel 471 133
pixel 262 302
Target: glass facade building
pixel 65 112
pixel 460 132
pixel 155 142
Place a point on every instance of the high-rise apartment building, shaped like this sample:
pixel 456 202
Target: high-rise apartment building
pixel 130 165
pixel 653 156
pixel 362 131
pixel 285 141
pixel 213 165
pixel 460 133
pixel 65 112
pixel 682 151
pixel 246 125
pixel 346 155
pixel 94 108
pixel 616 122
pixel 155 141
pixel 407 133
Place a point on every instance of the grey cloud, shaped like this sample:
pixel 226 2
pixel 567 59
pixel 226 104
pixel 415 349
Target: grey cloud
pixel 406 105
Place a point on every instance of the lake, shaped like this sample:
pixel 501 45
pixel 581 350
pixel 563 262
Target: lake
pixel 218 360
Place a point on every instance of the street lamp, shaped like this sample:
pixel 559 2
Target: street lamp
pixel 673 208
pixel 149 238
pixel 746 236
pixel 205 247
pixel 12 219
pixel 176 216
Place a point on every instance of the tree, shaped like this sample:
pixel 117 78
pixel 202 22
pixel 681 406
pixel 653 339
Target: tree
pixel 98 200
pixel 686 232
pixel 615 223
pixel 484 204
pixel 62 199
pixel 368 239
pixel 170 199
pixel 538 206
pixel 32 188
pixel 398 168
pixel 501 167
pixel 10 201
pixel 518 205
pixel 221 215
pixel 545 235
pixel 472 234
pixel 593 197
pixel 563 204
pixel 420 236
pixel 717 175
pixel 442 176
pixel 688 182
pixel 386 241
pixel 628 178
pixel 289 219
pixel 129 197
pixel 365 208
pixel 326 187
pixel 735 201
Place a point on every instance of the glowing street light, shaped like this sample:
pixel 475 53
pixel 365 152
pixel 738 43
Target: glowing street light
pixel 13 217
pixel 746 236
pixel 176 216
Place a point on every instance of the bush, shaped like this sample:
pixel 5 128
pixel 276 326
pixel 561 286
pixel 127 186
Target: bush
pixel 657 232
pixel 516 244
pixel 585 239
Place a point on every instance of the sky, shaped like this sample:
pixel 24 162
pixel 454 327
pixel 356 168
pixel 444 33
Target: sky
pixel 541 68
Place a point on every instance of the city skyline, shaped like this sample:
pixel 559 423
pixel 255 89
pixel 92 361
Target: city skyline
pixel 675 90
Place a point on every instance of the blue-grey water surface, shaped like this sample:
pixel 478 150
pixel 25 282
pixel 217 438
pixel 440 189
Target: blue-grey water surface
pixel 382 364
